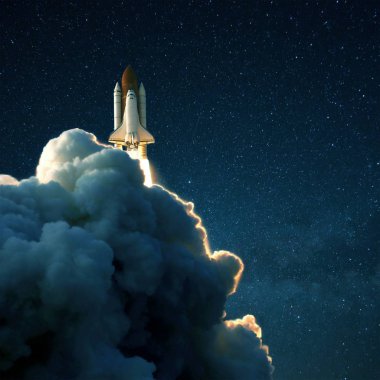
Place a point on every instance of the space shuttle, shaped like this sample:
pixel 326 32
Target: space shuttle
pixel 130 131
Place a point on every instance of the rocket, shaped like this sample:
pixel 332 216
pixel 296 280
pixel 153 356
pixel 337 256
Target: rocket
pixel 130 131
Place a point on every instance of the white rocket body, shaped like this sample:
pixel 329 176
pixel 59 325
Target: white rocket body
pixel 142 105
pixel 116 106
pixel 130 128
pixel 131 120
pixel 130 133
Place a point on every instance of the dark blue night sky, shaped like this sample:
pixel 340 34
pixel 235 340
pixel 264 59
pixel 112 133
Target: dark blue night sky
pixel 266 116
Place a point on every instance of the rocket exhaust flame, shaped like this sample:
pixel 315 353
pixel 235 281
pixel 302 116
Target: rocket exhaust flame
pixel 145 167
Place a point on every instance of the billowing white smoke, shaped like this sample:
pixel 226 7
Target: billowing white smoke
pixel 103 278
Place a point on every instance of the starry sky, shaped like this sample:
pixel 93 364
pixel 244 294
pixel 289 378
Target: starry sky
pixel 266 116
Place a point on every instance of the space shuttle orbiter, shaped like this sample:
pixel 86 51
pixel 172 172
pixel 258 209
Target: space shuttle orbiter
pixel 130 116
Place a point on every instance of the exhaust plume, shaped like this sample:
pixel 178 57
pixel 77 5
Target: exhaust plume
pixel 104 278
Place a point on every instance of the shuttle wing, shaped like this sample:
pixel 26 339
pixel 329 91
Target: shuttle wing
pixel 144 135
pixel 118 135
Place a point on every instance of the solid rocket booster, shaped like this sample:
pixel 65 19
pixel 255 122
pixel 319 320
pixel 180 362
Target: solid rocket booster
pixel 116 106
pixel 142 105
pixel 130 116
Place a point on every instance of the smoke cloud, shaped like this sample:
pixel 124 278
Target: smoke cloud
pixel 103 278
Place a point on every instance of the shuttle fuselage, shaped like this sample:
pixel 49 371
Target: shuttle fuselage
pixel 130 131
